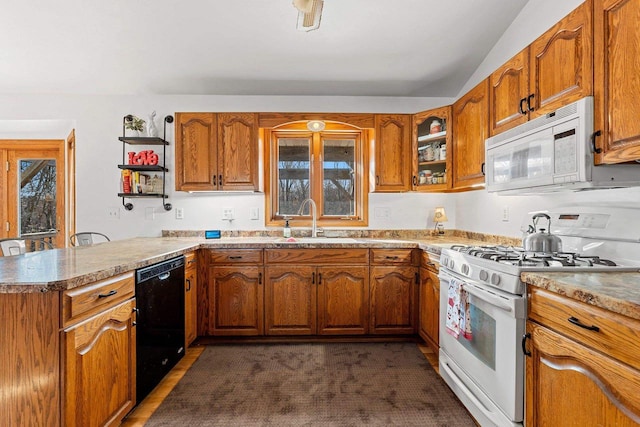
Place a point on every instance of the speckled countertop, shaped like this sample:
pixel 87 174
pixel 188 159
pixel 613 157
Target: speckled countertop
pixel 61 269
pixel 617 292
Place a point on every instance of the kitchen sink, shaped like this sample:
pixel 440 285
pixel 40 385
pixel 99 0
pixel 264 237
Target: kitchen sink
pixel 317 240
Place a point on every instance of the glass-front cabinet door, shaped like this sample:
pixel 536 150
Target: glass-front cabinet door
pixel 431 142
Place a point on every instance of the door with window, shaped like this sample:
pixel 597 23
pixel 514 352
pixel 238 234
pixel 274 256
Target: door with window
pixel 33 190
pixel 327 167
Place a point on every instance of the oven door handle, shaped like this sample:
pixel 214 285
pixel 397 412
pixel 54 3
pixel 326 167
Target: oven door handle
pixel 487 297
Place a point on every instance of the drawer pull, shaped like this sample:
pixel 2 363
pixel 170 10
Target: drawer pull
pixel 108 294
pixel 191 261
pixel 582 325
pixel 392 257
pixel 235 257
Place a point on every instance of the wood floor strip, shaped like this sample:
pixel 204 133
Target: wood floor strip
pixel 141 414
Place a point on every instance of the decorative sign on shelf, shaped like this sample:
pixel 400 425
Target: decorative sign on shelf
pixel 146 157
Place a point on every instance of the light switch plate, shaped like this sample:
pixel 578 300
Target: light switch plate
pixel 254 213
pixel 179 213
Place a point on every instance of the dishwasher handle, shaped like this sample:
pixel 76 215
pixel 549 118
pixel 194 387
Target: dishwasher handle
pixel 164 276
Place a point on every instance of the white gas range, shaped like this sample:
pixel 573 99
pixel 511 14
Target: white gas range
pixel 480 288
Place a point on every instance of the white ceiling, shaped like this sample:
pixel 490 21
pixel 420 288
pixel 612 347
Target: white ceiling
pixel 246 47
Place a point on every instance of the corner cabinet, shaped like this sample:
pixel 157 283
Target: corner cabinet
pixel 617 87
pixel 392 153
pixel 217 152
pixel 431 142
pixel 136 181
pixel 470 129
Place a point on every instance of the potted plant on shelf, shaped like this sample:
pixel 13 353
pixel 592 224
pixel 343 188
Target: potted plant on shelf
pixel 134 124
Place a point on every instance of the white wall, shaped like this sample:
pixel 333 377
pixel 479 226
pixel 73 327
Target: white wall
pixel 98 124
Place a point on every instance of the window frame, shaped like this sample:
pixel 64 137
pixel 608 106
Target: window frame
pixel 333 130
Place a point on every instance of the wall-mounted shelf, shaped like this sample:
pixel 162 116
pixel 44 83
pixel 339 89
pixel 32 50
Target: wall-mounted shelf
pixel 144 140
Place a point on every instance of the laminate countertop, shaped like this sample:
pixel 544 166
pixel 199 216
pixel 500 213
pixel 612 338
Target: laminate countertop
pixel 616 291
pixel 62 269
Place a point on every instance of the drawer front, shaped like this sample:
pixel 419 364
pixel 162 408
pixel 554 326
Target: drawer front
pixel 430 262
pixel 87 300
pixel 235 256
pixel 617 336
pixel 392 256
pixel 190 260
pixel 318 256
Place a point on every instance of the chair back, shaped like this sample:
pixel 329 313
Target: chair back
pixel 13 247
pixel 87 238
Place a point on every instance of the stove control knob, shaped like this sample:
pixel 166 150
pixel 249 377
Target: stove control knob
pixel 484 275
pixel 495 279
pixel 465 269
pixel 444 261
pixel 451 264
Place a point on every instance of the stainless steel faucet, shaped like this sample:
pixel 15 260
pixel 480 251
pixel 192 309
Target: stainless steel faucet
pixel 313 208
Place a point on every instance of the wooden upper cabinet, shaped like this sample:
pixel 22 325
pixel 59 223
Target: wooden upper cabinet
pixel 392 152
pixel 561 62
pixel 216 151
pixel 617 86
pixel 431 140
pixel 196 154
pixel 508 91
pixel 238 151
pixel 470 129
pixel 555 70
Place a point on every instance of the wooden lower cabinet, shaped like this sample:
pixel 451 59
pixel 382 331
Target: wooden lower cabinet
pixel 99 368
pixel 393 297
pixel 343 300
pixel 309 300
pixel 236 300
pixel 569 384
pixel 428 325
pixel 190 298
pixel 582 368
pixel 290 300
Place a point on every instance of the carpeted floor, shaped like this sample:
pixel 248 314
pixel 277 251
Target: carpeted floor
pixel 326 384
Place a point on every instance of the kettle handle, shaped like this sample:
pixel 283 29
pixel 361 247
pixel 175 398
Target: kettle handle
pixel 540 215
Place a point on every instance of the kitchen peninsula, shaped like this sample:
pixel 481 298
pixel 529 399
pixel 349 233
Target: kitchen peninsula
pixel 52 320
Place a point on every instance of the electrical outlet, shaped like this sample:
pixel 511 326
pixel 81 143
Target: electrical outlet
pixel 254 213
pixel 114 213
pixel 227 214
pixel 505 213
pixel 179 213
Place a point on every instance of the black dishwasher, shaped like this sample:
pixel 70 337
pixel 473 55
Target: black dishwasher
pixel 160 322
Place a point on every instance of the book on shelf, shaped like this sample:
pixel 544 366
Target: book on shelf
pixel 134 182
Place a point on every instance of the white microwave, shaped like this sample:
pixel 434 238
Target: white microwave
pixel 552 153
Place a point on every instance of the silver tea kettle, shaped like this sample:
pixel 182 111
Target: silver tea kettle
pixel 539 241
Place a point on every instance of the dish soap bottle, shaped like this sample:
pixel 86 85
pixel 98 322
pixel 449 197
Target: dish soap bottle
pixel 286 232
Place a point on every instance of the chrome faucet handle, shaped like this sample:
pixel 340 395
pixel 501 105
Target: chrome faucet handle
pixel 319 231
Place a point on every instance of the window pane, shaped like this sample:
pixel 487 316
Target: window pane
pixel 37 196
pixel 338 185
pixel 293 174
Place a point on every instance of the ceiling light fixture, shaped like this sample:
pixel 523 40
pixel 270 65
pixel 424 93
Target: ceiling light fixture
pixel 309 14
pixel 316 125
